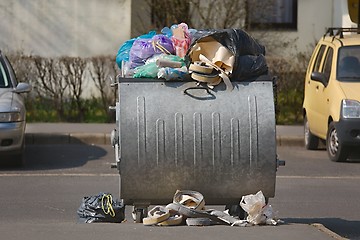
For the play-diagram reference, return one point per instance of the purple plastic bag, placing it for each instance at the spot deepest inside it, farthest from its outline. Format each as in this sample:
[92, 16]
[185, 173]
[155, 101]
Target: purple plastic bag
[142, 49]
[163, 44]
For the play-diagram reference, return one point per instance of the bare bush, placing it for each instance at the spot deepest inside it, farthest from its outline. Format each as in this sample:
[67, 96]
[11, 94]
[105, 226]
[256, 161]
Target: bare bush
[49, 87]
[59, 83]
[72, 72]
[102, 71]
[290, 75]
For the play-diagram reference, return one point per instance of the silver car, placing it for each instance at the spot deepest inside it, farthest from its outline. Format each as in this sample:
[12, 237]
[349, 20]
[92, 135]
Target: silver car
[12, 114]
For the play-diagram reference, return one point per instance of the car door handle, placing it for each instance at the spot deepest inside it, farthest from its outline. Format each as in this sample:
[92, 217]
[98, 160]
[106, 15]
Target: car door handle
[317, 87]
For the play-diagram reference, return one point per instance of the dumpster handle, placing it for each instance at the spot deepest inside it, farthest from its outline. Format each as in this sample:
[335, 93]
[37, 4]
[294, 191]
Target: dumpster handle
[210, 95]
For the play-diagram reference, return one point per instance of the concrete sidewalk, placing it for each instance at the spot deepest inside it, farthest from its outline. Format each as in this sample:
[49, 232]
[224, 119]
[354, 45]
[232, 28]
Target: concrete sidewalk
[98, 133]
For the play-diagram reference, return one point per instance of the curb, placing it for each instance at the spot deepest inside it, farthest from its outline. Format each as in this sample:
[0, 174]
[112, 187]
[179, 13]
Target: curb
[327, 231]
[104, 139]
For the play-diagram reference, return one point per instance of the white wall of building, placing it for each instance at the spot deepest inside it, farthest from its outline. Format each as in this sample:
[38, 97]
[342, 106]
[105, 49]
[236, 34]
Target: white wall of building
[52, 28]
[84, 28]
[314, 17]
[341, 14]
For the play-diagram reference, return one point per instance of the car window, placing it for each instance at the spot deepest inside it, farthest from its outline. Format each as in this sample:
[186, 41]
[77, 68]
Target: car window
[11, 72]
[348, 64]
[328, 63]
[318, 59]
[4, 80]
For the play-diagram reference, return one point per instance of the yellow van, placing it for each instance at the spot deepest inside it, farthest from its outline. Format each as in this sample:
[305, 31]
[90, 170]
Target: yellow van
[331, 105]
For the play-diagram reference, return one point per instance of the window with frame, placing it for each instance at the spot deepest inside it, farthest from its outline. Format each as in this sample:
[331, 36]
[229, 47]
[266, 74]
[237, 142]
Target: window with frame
[328, 63]
[319, 58]
[3, 77]
[348, 64]
[272, 14]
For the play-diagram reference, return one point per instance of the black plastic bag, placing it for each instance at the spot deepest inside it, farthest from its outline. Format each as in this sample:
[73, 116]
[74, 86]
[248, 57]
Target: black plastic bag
[237, 41]
[249, 54]
[101, 208]
[249, 66]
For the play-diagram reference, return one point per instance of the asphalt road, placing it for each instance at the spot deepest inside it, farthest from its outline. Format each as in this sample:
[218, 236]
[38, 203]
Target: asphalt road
[40, 200]
[311, 188]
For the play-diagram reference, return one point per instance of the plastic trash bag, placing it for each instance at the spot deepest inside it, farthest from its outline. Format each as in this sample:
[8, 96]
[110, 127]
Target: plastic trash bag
[250, 66]
[258, 211]
[236, 40]
[101, 208]
[124, 51]
[162, 62]
[162, 44]
[181, 39]
[169, 73]
[149, 70]
[145, 48]
[249, 55]
[167, 32]
[141, 50]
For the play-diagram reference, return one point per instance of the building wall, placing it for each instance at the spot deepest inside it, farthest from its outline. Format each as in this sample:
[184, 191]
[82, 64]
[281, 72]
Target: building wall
[52, 28]
[314, 17]
[86, 28]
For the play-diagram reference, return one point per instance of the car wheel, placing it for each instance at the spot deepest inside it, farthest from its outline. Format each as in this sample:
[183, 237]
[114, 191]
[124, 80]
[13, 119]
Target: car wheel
[310, 140]
[336, 151]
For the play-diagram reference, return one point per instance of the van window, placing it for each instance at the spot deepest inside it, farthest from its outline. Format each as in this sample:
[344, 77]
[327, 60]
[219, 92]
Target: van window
[328, 63]
[318, 59]
[348, 64]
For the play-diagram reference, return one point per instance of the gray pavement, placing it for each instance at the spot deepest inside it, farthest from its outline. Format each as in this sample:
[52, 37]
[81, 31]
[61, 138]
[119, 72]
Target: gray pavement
[89, 133]
[132, 231]
[99, 133]
[68, 133]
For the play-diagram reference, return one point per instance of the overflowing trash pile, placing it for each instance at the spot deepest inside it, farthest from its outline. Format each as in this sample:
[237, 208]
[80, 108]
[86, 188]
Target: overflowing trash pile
[180, 53]
[187, 208]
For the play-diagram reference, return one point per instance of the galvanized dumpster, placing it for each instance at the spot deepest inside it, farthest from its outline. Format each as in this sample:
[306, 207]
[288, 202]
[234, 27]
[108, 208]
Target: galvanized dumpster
[178, 135]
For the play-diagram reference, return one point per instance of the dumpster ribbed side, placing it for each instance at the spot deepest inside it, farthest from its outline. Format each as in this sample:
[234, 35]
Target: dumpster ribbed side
[179, 138]
[216, 137]
[224, 147]
[253, 138]
[141, 130]
[235, 141]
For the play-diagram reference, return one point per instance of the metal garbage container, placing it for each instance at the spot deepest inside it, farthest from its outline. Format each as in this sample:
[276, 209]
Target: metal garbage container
[177, 135]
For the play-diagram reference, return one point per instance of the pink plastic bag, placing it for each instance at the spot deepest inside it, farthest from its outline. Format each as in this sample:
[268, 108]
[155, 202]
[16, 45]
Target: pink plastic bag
[181, 39]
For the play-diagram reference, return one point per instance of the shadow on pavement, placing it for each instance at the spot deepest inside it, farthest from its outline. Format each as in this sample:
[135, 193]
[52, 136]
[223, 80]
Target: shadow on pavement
[342, 227]
[58, 156]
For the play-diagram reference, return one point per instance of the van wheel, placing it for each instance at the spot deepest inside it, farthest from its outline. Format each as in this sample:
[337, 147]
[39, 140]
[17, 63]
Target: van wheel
[336, 151]
[311, 141]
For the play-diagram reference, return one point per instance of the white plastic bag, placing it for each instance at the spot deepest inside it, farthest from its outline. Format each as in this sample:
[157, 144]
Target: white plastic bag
[253, 205]
[258, 211]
